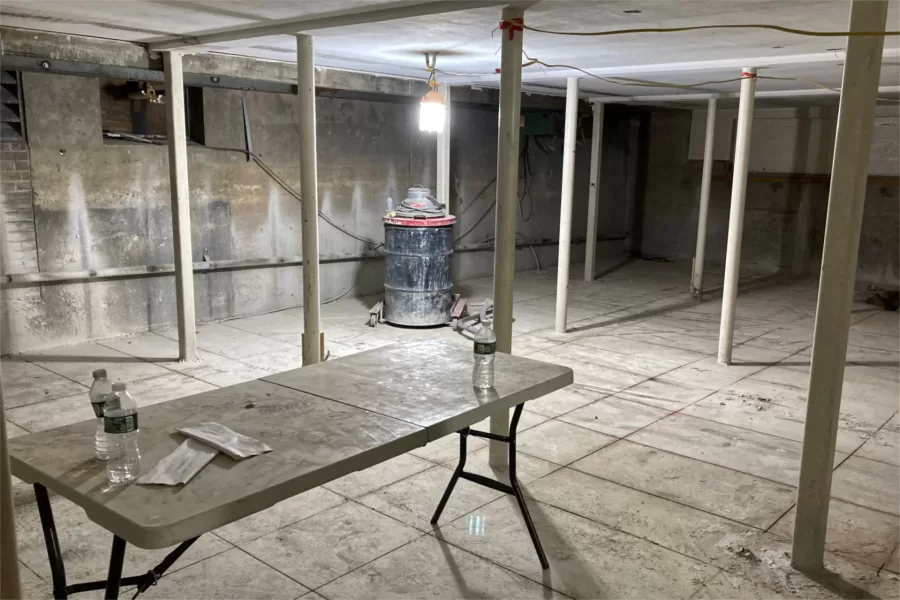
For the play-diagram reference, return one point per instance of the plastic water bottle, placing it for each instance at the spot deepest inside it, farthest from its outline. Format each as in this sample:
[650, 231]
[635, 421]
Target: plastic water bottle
[485, 346]
[99, 390]
[120, 422]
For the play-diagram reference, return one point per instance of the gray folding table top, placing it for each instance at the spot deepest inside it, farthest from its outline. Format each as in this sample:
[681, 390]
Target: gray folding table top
[323, 422]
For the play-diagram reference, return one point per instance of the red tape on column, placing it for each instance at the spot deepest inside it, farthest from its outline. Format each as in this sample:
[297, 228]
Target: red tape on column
[746, 75]
[512, 26]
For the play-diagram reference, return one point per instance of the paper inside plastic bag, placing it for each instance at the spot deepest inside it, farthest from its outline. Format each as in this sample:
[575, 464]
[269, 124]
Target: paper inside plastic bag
[181, 465]
[233, 444]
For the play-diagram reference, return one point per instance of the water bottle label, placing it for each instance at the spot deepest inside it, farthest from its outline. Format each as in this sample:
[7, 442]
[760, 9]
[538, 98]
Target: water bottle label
[98, 408]
[124, 424]
[485, 347]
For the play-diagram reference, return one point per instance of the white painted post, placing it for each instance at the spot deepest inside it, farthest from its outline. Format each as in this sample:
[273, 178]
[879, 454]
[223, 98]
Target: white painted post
[507, 207]
[309, 198]
[565, 209]
[179, 191]
[590, 250]
[443, 154]
[736, 219]
[849, 172]
[705, 183]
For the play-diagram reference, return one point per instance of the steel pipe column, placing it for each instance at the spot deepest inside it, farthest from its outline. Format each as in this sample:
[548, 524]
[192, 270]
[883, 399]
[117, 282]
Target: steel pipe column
[309, 205]
[507, 204]
[736, 219]
[443, 153]
[705, 183]
[846, 198]
[590, 250]
[179, 191]
[565, 209]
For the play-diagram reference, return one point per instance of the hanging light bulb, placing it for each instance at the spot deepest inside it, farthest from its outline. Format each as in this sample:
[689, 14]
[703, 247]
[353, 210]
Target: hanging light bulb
[432, 110]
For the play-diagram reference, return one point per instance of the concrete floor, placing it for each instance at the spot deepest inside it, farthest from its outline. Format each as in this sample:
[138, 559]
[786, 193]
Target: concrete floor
[659, 474]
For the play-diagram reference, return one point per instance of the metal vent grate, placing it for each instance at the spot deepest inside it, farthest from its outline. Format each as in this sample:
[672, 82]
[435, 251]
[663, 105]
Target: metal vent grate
[11, 120]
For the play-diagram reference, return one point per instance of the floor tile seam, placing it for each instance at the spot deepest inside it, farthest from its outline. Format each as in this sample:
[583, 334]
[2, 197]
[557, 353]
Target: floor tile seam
[579, 342]
[162, 362]
[660, 497]
[258, 335]
[620, 370]
[744, 428]
[781, 517]
[430, 466]
[175, 569]
[555, 345]
[403, 545]
[33, 572]
[420, 535]
[442, 540]
[622, 531]
[55, 374]
[707, 462]
[344, 500]
[277, 570]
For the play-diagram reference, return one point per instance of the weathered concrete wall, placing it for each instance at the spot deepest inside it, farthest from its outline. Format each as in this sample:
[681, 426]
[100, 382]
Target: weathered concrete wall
[784, 220]
[101, 203]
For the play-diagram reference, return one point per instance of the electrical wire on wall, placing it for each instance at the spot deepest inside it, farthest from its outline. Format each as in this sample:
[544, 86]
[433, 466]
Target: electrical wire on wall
[284, 185]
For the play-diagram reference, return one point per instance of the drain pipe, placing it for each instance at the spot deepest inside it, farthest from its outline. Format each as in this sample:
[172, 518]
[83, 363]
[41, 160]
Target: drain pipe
[565, 213]
[736, 220]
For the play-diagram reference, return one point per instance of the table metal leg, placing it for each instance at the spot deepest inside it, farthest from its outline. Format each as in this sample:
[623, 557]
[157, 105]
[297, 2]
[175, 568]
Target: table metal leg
[51, 540]
[463, 435]
[114, 579]
[114, 575]
[512, 489]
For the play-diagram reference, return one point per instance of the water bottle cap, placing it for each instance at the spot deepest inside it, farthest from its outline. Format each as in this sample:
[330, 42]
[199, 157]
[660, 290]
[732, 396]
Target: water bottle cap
[99, 373]
[118, 386]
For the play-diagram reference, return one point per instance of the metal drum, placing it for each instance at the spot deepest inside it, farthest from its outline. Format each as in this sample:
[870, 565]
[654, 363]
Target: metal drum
[417, 278]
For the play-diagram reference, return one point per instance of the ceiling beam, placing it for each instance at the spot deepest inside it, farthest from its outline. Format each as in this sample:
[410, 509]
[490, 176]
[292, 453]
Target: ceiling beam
[537, 72]
[340, 18]
[885, 89]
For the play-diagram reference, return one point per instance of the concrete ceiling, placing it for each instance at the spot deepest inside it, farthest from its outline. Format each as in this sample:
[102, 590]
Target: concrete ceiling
[468, 46]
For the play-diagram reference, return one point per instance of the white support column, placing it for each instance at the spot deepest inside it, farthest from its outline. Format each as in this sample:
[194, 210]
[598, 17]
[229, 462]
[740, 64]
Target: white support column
[565, 209]
[507, 207]
[309, 195]
[443, 154]
[179, 191]
[590, 256]
[736, 219]
[705, 183]
[846, 198]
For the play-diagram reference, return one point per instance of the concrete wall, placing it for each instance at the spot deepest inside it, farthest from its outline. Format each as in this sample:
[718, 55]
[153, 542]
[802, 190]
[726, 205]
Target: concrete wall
[785, 216]
[99, 203]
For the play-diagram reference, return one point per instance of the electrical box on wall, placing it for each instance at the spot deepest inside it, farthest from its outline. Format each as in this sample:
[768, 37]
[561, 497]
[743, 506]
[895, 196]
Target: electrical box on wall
[538, 122]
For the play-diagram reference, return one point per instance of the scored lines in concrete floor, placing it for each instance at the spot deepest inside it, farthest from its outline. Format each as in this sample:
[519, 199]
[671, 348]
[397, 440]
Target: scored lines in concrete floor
[653, 402]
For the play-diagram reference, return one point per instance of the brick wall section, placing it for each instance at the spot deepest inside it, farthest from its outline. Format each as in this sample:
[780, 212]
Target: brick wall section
[19, 249]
